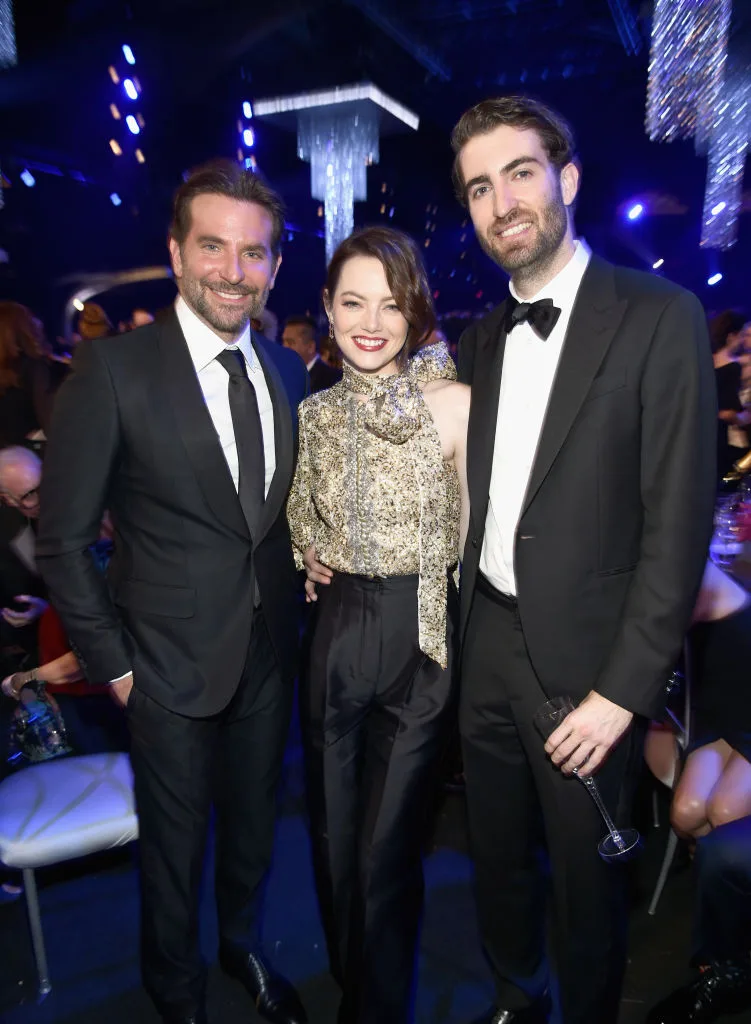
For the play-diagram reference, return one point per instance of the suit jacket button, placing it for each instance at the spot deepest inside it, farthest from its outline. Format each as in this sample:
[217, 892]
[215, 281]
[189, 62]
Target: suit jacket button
[474, 542]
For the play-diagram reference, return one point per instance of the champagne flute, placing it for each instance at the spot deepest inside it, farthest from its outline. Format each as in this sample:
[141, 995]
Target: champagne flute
[618, 844]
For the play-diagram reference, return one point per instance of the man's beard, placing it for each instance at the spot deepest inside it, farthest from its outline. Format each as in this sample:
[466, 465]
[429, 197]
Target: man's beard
[226, 319]
[549, 228]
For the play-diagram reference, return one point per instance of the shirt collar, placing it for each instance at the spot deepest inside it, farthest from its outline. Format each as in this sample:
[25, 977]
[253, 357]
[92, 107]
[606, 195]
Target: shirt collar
[204, 346]
[313, 362]
[564, 286]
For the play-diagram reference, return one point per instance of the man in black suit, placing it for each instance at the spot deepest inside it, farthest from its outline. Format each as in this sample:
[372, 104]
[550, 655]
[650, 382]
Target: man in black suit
[590, 468]
[185, 431]
[299, 334]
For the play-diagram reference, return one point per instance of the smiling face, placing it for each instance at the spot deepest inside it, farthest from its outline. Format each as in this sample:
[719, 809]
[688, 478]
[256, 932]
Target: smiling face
[519, 201]
[225, 267]
[368, 327]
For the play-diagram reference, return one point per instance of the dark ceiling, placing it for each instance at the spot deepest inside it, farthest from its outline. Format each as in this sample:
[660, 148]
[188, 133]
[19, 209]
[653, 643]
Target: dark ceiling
[197, 60]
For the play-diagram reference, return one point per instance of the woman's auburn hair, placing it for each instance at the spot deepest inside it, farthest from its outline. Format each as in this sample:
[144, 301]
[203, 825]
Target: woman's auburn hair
[405, 273]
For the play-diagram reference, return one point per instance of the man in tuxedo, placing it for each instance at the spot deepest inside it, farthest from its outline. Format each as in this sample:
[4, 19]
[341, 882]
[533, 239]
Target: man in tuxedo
[590, 467]
[300, 335]
[185, 431]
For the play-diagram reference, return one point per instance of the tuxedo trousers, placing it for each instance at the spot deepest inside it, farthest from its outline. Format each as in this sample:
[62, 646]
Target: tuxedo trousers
[376, 715]
[182, 768]
[533, 829]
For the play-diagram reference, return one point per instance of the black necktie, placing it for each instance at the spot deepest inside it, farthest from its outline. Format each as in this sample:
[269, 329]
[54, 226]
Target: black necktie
[542, 315]
[246, 421]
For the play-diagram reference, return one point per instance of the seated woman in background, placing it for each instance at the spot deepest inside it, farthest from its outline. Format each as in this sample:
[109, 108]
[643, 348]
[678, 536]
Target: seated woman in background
[715, 785]
[725, 331]
[25, 388]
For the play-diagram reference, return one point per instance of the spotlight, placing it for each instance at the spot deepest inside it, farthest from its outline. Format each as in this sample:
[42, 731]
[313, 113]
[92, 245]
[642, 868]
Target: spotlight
[134, 126]
[657, 264]
[247, 110]
[115, 112]
[635, 211]
[115, 199]
[28, 178]
[714, 279]
[718, 209]
[78, 305]
[128, 54]
[248, 163]
[140, 157]
[248, 138]
[130, 89]
[113, 74]
[115, 147]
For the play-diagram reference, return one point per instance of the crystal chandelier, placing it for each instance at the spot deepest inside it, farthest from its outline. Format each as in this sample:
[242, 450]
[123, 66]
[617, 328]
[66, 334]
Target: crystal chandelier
[692, 93]
[338, 132]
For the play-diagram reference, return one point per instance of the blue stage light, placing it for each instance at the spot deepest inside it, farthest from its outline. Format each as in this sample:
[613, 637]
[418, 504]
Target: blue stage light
[249, 138]
[657, 264]
[718, 208]
[247, 110]
[128, 54]
[130, 89]
[28, 178]
[133, 124]
[635, 211]
[115, 199]
[714, 279]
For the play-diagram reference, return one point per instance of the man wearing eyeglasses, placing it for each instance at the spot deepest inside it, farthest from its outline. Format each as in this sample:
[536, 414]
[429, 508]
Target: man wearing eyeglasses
[20, 476]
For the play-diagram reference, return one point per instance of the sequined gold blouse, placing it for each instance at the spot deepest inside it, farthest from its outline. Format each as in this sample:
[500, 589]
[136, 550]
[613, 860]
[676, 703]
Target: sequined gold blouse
[372, 490]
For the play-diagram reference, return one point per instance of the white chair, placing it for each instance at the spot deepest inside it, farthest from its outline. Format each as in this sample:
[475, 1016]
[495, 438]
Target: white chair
[683, 737]
[60, 810]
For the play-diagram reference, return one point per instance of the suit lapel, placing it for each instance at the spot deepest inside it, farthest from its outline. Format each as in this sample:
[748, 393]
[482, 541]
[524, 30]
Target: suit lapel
[283, 437]
[197, 428]
[596, 316]
[483, 416]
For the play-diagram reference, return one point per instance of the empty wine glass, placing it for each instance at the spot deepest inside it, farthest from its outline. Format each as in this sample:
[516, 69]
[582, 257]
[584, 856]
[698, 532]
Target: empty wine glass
[618, 844]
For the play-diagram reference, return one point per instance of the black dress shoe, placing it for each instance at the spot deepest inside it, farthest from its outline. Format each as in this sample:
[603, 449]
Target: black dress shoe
[275, 998]
[718, 988]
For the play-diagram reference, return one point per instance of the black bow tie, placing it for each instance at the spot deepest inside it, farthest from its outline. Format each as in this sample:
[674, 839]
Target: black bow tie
[542, 315]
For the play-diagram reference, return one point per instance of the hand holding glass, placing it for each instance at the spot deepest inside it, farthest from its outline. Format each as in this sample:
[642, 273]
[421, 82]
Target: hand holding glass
[618, 844]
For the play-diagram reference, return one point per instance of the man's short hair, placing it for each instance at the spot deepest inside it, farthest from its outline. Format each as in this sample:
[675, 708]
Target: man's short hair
[226, 178]
[305, 321]
[522, 112]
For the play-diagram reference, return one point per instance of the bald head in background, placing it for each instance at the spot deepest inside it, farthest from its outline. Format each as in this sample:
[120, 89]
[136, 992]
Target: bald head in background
[20, 476]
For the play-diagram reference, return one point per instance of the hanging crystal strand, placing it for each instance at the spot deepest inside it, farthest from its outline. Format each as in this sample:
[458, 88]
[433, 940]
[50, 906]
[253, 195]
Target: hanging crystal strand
[8, 54]
[340, 146]
[728, 147]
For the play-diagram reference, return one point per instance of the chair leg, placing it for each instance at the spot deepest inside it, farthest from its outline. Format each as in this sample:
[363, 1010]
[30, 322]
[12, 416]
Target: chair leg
[664, 870]
[655, 808]
[37, 938]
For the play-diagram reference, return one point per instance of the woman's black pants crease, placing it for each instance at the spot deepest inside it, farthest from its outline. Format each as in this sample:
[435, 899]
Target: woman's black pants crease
[376, 714]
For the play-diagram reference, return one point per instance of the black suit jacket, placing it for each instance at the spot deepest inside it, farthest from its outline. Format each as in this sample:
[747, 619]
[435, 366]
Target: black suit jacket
[131, 433]
[616, 522]
[323, 376]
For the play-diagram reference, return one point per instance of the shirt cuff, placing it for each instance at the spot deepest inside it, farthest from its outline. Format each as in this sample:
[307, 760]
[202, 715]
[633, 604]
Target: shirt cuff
[119, 678]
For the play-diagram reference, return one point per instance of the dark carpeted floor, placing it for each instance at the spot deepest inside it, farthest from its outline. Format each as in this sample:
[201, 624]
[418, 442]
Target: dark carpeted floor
[90, 914]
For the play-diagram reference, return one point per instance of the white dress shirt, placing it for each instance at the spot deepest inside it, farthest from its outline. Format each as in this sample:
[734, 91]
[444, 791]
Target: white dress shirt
[529, 368]
[204, 346]
[312, 362]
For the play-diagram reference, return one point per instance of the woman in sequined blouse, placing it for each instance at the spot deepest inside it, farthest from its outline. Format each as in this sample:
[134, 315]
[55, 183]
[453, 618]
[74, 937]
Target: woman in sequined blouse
[379, 498]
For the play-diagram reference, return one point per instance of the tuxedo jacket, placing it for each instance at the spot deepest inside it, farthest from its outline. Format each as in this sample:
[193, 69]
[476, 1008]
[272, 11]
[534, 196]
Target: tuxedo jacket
[323, 376]
[616, 521]
[131, 433]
